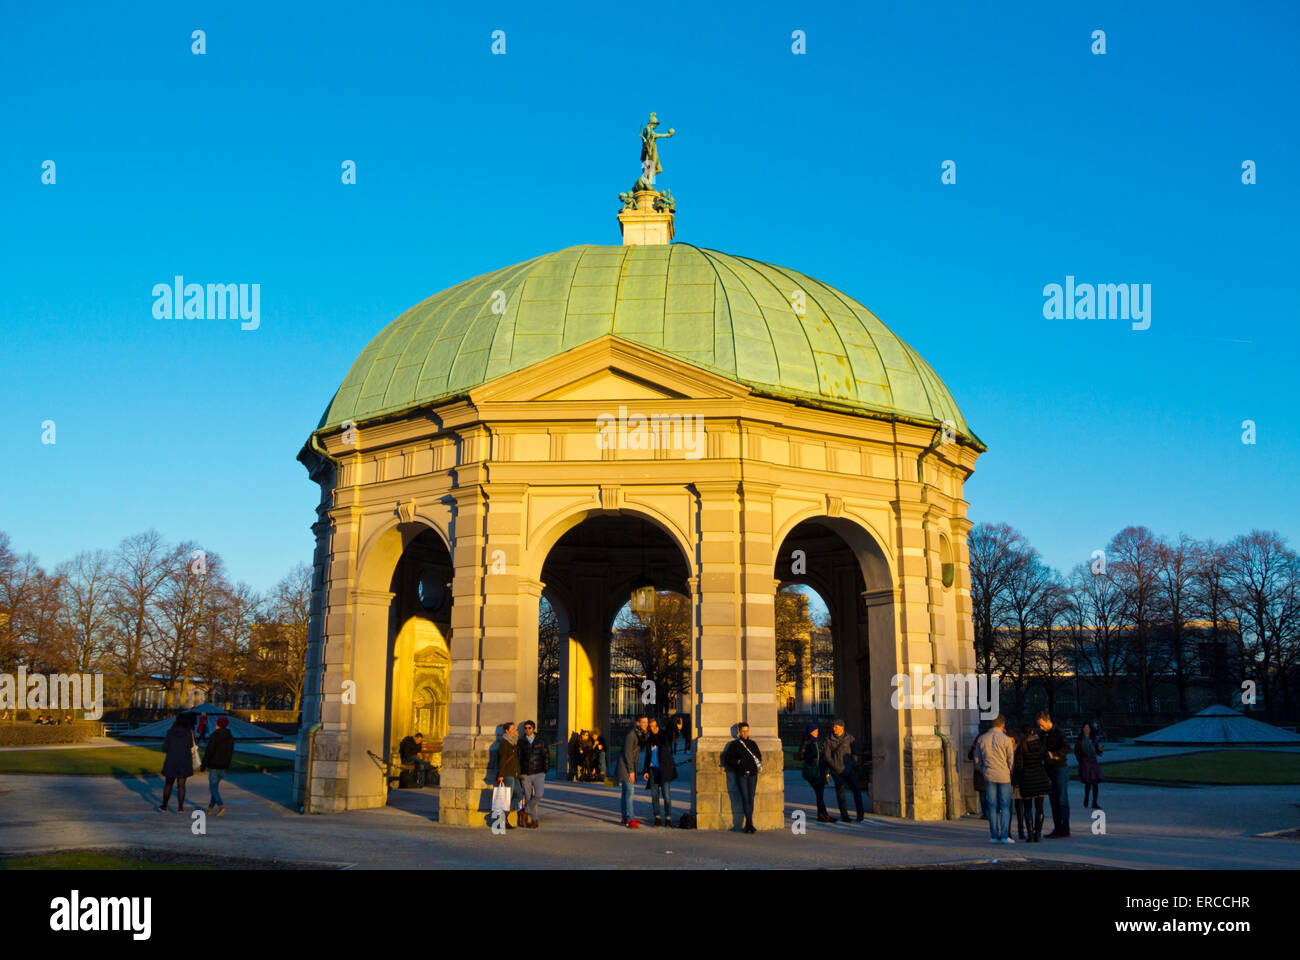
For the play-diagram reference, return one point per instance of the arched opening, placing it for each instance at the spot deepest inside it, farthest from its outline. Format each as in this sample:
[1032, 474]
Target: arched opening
[615, 598]
[419, 657]
[829, 564]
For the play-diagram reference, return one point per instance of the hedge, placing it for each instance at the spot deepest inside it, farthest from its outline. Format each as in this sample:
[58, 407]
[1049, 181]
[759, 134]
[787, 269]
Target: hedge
[23, 734]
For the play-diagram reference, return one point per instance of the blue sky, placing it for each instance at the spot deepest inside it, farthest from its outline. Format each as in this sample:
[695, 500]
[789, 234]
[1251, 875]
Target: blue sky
[226, 168]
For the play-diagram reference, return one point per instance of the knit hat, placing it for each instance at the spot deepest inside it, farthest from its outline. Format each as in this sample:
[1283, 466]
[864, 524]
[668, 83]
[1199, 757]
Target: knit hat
[223, 721]
[809, 728]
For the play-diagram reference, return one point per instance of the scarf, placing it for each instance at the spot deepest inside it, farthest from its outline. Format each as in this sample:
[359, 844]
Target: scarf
[511, 738]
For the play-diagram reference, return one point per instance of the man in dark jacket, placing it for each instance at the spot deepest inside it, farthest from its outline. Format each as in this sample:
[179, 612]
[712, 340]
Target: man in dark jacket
[625, 769]
[743, 758]
[660, 771]
[534, 761]
[1058, 771]
[839, 753]
[409, 750]
[216, 760]
[508, 770]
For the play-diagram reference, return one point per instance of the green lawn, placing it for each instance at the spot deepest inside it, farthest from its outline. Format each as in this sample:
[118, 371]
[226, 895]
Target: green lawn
[91, 860]
[117, 761]
[1216, 767]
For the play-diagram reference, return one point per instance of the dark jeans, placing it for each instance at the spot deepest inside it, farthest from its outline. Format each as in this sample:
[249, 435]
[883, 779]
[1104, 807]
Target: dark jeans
[421, 766]
[747, 783]
[849, 776]
[819, 788]
[1060, 777]
[658, 786]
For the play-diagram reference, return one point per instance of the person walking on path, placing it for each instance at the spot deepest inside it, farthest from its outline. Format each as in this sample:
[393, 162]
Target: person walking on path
[743, 758]
[217, 756]
[995, 755]
[508, 772]
[1058, 771]
[1087, 750]
[839, 754]
[1035, 784]
[534, 761]
[813, 768]
[625, 769]
[660, 771]
[178, 760]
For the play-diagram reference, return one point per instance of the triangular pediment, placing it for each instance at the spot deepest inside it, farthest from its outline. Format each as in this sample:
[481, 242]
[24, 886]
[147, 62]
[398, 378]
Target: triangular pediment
[605, 370]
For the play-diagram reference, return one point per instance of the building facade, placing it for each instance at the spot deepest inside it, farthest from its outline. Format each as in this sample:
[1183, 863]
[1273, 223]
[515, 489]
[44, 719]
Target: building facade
[606, 417]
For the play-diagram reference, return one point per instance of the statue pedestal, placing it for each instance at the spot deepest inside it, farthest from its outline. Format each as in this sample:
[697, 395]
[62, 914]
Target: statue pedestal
[645, 224]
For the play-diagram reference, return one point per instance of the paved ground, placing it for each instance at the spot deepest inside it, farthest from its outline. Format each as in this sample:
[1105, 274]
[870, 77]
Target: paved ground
[1147, 827]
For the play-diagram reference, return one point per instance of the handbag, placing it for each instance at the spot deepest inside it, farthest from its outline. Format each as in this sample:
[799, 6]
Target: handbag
[195, 761]
[501, 799]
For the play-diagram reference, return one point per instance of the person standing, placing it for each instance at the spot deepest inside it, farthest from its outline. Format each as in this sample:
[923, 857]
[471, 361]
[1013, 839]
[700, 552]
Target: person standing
[508, 771]
[679, 732]
[660, 771]
[534, 761]
[839, 754]
[995, 755]
[1087, 751]
[1058, 772]
[217, 757]
[743, 758]
[178, 760]
[626, 768]
[813, 768]
[978, 781]
[202, 732]
[1034, 781]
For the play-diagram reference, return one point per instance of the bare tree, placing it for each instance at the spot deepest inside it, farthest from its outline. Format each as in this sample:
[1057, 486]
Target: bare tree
[1134, 563]
[1266, 597]
[658, 642]
[1096, 623]
[86, 605]
[140, 566]
[1176, 565]
[995, 551]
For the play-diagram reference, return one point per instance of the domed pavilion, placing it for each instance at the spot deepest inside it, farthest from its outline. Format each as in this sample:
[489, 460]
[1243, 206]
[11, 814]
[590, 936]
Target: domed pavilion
[602, 419]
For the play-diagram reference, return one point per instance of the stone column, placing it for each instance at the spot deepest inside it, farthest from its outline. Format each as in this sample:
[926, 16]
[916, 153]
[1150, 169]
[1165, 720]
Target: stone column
[493, 646]
[923, 760]
[734, 656]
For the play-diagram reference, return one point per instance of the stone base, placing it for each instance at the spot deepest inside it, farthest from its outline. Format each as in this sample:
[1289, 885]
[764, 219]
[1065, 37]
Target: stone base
[923, 778]
[464, 790]
[717, 801]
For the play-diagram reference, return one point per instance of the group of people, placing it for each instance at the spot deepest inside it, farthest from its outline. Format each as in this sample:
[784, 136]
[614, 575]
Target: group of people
[588, 756]
[1017, 770]
[46, 719]
[834, 757]
[180, 748]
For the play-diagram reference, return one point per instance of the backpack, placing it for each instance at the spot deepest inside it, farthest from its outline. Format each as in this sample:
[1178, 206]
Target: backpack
[687, 821]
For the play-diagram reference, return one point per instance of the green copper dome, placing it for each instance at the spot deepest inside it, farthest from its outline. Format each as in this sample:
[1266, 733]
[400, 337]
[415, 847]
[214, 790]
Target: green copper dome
[722, 313]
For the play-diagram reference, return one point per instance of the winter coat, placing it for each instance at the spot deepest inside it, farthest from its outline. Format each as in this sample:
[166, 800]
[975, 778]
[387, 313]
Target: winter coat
[742, 756]
[810, 758]
[627, 763]
[220, 750]
[177, 762]
[533, 757]
[1085, 751]
[507, 759]
[995, 755]
[1030, 754]
[667, 765]
[837, 752]
[1055, 742]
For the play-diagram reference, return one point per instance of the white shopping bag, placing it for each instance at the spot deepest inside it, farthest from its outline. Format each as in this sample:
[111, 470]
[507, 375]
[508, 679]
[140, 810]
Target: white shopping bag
[501, 798]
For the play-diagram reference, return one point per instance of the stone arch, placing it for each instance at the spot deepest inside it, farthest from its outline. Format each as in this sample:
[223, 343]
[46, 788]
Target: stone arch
[862, 598]
[541, 542]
